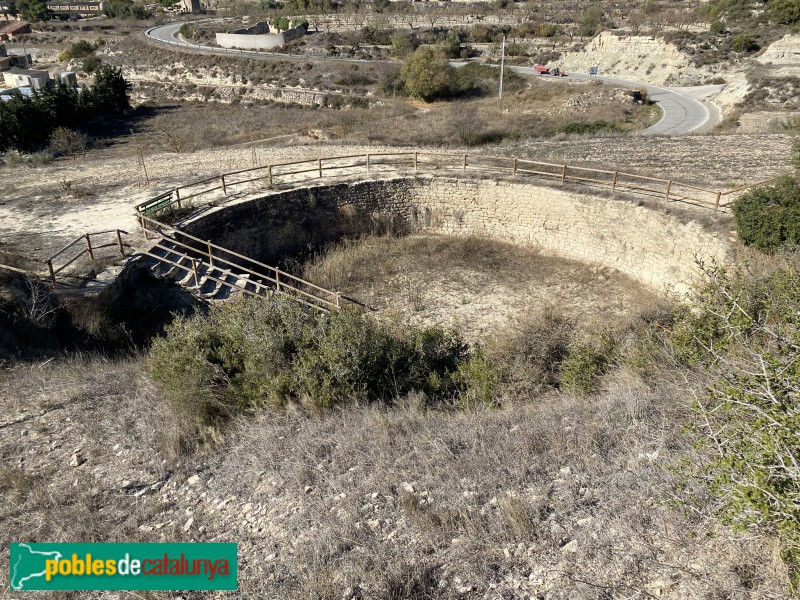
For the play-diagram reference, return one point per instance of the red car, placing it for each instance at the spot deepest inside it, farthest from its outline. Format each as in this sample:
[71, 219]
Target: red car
[555, 71]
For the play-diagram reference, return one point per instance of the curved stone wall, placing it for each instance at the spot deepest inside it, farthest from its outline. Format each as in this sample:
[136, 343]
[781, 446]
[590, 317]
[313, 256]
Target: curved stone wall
[649, 245]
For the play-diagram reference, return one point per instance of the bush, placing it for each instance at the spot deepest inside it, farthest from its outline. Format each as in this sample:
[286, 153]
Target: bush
[480, 379]
[273, 352]
[748, 420]
[403, 43]
[586, 363]
[126, 9]
[744, 42]
[90, 64]
[68, 142]
[785, 12]
[485, 79]
[188, 32]
[591, 128]
[769, 217]
[718, 27]
[79, 49]
[529, 357]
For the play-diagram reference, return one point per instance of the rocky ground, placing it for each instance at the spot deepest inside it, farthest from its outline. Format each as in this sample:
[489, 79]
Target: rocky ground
[557, 498]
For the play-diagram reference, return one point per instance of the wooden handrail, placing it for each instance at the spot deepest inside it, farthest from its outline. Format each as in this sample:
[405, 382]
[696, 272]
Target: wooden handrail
[86, 238]
[745, 187]
[512, 165]
[278, 274]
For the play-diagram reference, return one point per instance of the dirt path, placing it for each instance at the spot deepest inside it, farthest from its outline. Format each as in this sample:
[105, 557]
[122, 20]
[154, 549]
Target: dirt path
[45, 206]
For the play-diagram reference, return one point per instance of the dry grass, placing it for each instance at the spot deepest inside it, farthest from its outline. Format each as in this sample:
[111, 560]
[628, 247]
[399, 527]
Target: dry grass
[104, 413]
[478, 284]
[557, 496]
[541, 110]
[551, 496]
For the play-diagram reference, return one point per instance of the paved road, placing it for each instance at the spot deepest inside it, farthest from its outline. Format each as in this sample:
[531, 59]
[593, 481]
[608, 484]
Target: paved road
[681, 113]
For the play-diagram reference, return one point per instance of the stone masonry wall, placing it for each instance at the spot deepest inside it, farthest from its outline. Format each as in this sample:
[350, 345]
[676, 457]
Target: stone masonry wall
[647, 244]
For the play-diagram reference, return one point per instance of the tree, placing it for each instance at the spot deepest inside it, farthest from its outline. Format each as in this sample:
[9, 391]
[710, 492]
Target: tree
[23, 125]
[451, 46]
[590, 21]
[402, 43]
[33, 10]
[125, 9]
[109, 93]
[11, 9]
[428, 75]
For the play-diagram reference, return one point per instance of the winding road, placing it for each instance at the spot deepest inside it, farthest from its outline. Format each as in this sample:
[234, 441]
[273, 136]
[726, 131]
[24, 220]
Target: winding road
[682, 113]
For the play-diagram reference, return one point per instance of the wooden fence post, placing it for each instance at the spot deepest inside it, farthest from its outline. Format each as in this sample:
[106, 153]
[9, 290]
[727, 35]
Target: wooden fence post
[224, 190]
[89, 246]
[563, 174]
[465, 163]
[514, 174]
[368, 165]
[52, 272]
[614, 183]
[210, 258]
[415, 162]
[178, 196]
[338, 300]
[119, 241]
[666, 194]
[143, 226]
[277, 280]
[319, 164]
[270, 175]
[716, 204]
[194, 270]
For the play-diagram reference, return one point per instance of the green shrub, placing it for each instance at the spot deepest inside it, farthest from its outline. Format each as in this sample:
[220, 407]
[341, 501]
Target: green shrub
[479, 379]
[126, 9]
[281, 23]
[785, 12]
[79, 49]
[403, 43]
[188, 31]
[591, 128]
[90, 64]
[744, 42]
[769, 217]
[718, 27]
[748, 420]
[451, 46]
[261, 353]
[586, 363]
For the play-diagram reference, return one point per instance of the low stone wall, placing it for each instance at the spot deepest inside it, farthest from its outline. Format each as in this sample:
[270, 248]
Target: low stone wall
[649, 245]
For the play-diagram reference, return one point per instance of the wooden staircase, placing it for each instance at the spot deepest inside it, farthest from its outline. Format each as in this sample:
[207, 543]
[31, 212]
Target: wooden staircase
[216, 274]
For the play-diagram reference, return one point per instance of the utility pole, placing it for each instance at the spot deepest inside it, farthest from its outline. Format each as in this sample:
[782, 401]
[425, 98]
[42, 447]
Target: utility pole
[502, 65]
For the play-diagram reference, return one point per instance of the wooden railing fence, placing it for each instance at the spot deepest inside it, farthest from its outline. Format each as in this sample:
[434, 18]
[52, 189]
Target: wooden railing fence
[669, 190]
[87, 246]
[263, 277]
